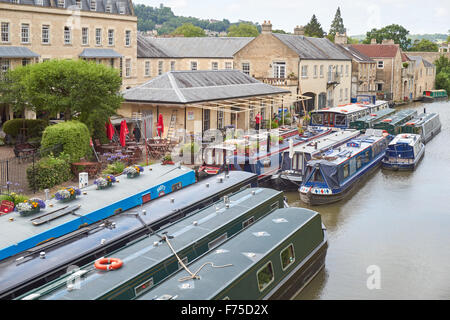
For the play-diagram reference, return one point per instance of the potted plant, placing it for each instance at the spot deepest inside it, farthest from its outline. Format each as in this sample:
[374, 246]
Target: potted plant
[67, 194]
[29, 207]
[167, 159]
[133, 171]
[105, 182]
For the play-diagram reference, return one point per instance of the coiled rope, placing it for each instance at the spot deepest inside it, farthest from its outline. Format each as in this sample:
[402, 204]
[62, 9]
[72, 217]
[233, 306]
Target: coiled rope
[192, 275]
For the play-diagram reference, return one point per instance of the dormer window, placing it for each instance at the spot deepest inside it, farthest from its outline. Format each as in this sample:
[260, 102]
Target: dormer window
[40, 2]
[60, 3]
[78, 3]
[121, 8]
[93, 5]
[14, 1]
[108, 7]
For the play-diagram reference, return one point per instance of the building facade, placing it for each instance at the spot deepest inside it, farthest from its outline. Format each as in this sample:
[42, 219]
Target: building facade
[313, 67]
[424, 75]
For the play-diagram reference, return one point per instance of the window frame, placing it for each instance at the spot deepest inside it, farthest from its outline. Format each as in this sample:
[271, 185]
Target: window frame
[281, 260]
[27, 29]
[5, 31]
[84, 36]
[127, 38]
[261, 289]
[111, 43]
[380, 64]
[147, 66]
[67, 40]
[246, 68]
[45, 27]
[127, 68]
[192, 64]
[98, 37]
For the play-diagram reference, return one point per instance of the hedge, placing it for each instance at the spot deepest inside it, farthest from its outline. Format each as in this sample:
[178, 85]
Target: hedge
[72, 135]
[48, 172]
[34, 127]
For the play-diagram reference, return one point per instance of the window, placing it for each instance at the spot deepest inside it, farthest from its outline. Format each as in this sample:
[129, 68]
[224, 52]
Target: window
[5, 31]
[14, 1]
[304, 71]
[193, 65]
[121, 8]
[108, 7]
[246, 68]
[358, 162]
[279, 70]
[26, 61]
[346, 69]
[228, 65]
[220, 114]
[127, 38]
[287, 257]
[98, 36]
[321, 71]
[214, 66]
[177, 186]
[67, 35]
[206, 119]
[265, 276]
[379, 86]
[85, 36]
[45, 34]
[40, 2]
[345, 170]
[172, 65]
[110, 37]
[248, 222]
[25, 33]
[78, 3]
[60, 3]
[143, 287]
[127, 67]
[147, 68]
[160, 67]
[217, 241]
[380, 64]
[315, 71]
[5, 65]
[93, 5]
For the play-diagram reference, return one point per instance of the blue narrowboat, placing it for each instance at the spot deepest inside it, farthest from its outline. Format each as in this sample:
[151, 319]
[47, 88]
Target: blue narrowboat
[332, 178]
[404, 152]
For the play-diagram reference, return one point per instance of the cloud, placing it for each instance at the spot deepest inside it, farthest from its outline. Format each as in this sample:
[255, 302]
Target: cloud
[440, 12]
[374, 16]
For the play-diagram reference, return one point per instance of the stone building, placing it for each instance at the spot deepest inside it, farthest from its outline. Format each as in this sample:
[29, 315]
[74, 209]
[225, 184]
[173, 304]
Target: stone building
[313, 67]
[157, 56]
[424, 75]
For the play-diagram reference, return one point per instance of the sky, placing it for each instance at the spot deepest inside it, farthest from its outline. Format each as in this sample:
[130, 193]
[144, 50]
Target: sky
[360, 16]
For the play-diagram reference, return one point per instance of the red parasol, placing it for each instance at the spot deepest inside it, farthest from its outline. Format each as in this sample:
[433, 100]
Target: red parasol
[160, 125]
[123, 132]
[109, 130]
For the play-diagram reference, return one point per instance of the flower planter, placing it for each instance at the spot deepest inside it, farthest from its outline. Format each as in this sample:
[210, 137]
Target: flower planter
[72, 197]
[168, 162]
[132, 175]
[108, 185]
[30, 212]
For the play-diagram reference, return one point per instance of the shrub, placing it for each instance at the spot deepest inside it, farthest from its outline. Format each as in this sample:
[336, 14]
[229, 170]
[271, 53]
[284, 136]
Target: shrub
[34, 127]
[274, 124]
[114, 168]
[190, 148]
[49, 172]
[14, 197]
[72, 135]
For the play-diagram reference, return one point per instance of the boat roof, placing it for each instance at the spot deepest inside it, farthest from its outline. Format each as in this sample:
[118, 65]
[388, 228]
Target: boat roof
[143, 255]
[240, 253]
[351, 107]
[376, 115]
[327, 141]
[397, 117]
[405, 138]
[22, 228]
[420, 119]
[353, 146]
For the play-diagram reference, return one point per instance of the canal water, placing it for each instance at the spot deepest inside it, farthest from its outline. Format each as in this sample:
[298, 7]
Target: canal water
[391, 239]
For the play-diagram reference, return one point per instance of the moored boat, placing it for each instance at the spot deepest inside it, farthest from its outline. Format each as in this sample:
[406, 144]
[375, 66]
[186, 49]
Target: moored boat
[427, 125]
[434, 95]
[369, 121]
[393, 124]
[334, 177]
[404, 152]
[275, 258]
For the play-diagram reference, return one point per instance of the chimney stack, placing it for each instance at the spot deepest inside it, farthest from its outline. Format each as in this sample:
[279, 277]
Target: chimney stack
[387, 41]
[299, 30]
[373, 41]
[266, 27]
[340, 38]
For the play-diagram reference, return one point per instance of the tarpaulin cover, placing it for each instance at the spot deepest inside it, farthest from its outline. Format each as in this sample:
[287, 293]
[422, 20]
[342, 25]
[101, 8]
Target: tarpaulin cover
[329, 172]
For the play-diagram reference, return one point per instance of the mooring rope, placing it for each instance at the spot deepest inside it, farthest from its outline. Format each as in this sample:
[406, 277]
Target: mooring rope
[192, 275]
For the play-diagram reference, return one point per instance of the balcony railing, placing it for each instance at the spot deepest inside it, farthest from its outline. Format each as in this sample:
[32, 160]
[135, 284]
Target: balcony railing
[284, 82]
[333, 77]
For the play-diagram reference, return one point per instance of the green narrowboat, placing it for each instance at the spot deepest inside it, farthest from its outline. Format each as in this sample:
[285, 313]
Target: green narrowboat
[275, 258]
[150, 260]
[433, 95]
[369, 121]
[393, 124]
[427, 125]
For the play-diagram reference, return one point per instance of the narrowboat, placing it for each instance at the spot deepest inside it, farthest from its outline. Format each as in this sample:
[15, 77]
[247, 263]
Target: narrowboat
[275, 259]
[342, 116]
[369, 121]
[427, 125]
[59, 218]
[23, 272]
[294, 163]
[434, 95]
[148, 261]
[404, 152]
[259, 154]
[393, 124]
[335, 176]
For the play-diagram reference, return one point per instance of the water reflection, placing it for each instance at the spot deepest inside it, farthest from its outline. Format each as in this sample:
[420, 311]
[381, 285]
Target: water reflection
[397, 221]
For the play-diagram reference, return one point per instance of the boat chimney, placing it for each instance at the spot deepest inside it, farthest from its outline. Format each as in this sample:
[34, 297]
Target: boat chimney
[42, 255]
[207, 185]
[424, 110]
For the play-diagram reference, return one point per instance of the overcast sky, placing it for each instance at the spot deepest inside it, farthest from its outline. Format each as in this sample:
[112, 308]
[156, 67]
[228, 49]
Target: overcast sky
[417, 16]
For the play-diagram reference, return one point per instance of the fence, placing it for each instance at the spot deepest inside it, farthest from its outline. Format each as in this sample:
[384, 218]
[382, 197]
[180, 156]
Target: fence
[13, 171]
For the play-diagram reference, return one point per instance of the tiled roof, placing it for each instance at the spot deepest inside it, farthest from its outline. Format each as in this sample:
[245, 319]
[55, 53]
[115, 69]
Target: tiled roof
[377, 50]
[195, 47]
[418, 59]
[85, 5]
[183, 87]
[16, 52]
[405, 57]
[354, 54]
[312, 48]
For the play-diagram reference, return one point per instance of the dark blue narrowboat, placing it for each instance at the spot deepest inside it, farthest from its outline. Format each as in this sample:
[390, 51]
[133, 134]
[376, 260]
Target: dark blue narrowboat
[404, 152]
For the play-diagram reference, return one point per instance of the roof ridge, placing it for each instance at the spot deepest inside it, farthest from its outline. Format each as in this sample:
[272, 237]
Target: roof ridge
[175, 87]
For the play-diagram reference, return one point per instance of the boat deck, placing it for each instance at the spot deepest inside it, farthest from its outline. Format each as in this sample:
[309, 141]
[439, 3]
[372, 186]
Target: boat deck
[326, 141]
[21, 234]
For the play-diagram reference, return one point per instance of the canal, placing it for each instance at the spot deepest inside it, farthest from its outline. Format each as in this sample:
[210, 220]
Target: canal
[391, 239]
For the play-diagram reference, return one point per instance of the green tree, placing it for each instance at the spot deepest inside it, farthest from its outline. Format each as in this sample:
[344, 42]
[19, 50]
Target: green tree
[394, 31]
[442, 63]
[279, 31]
[189, 30]
[314, 29]
[243, 30]
[337, 26]
[443, 79]
[352, 40]
[424, 45]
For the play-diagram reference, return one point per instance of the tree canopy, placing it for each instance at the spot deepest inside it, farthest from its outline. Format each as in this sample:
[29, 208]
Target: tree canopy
[82, 90]
[443, 73]
[189, 30]
[337, 26]
[394, 31]
[243, 30]
[314, 29]
[424, 45]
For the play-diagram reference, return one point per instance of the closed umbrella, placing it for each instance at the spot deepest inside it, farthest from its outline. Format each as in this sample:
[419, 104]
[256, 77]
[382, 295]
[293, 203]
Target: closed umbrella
[123, 132]
[109, 130]
[160, 125]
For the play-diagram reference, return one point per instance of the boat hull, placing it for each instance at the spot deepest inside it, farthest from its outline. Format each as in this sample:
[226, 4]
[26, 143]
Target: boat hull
[287, 182]
[403, 166]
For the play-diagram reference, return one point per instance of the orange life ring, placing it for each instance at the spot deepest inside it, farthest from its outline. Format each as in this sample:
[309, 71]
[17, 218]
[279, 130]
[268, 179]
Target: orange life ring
[108, 264]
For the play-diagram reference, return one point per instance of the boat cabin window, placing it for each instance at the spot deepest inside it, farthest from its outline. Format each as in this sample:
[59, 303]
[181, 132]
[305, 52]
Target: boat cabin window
[345, 170]
[287, 257]
[176, 186]
[274, 206]
[317, 176]
[366, 157]
[265, 276]
[248, 222]
[317, 119]
[358, 162]
[217, 241]
[143, 287]
[340, 120]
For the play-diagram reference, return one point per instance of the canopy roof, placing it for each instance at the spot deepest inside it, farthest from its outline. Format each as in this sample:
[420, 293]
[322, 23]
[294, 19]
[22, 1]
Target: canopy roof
[16, 52]
[90, 53]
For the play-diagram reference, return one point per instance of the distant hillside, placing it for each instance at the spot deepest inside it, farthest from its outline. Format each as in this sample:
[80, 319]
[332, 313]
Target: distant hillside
[165, 21]
[435, 37]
